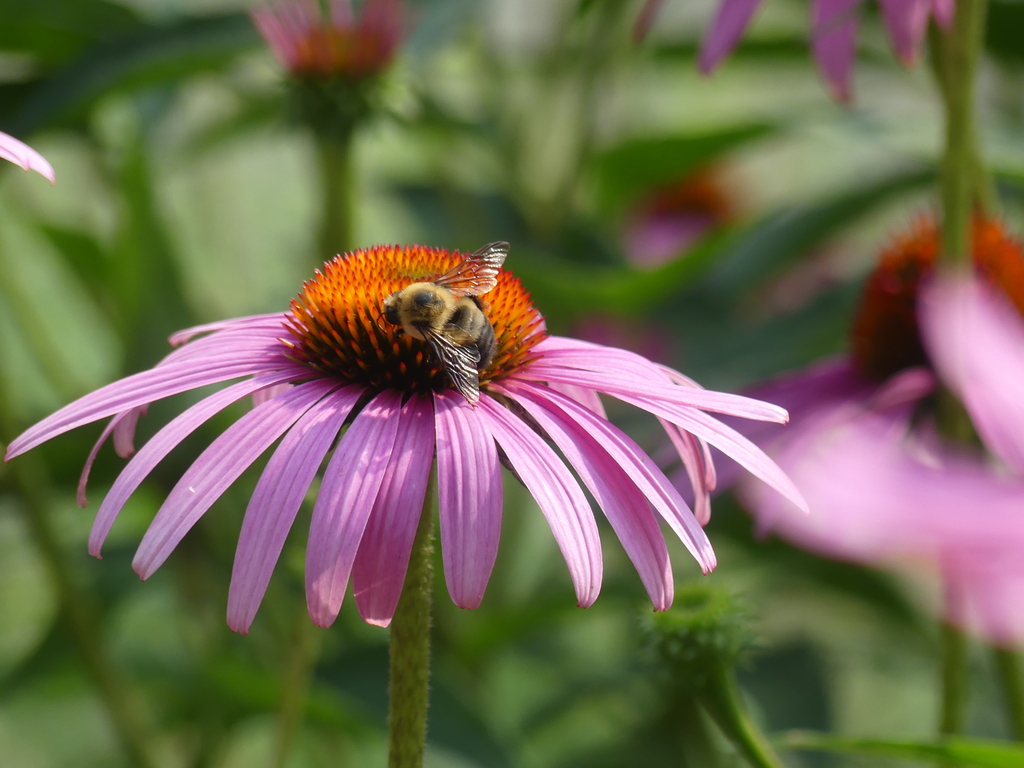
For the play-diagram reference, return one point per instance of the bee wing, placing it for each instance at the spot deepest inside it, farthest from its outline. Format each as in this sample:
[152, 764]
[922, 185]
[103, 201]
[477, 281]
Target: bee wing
[477, 273]
[459, 362]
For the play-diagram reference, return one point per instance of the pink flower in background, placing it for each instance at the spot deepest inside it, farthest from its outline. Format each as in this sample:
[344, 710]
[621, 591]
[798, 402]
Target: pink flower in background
[310, 43]
[863, 447]
[402, 416]
[833, 33]
[674, 218]
[22, 154]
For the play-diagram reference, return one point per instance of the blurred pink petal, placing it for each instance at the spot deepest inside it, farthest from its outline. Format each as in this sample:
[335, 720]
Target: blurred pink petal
[671, 219]
[834, 43]
[311, 43]
[906, 22]
[657, 240]
[23, 155]
[730, 22]
[645, 19]
[975, 339]
[944, 11]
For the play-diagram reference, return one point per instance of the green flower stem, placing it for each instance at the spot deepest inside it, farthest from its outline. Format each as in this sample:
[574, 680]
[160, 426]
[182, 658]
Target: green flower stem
[955, 57]
[722, 699]
[692, 731]
[954, 680]
[28, 475]
[1008, 664]
[335, 158]
[410, 649]
[305, 648]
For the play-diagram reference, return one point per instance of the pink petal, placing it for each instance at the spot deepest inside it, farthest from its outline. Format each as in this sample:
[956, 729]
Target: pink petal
[347, 495]
[218, 467]
[144, 388]
[637, 465]
[383, 557]
[162, 443]
[725, 32]
[975, 340]
[645, 20]
[623, 503]
[83, 479]
[834, 43]
[944, 11]
[261, 396]
[124, 431]
[588, 398]
[22, 154]
[469, 497]
[274, 320]
[727, 440]
[630, 368]
[557, 494]
[622, 382]
[906, 22]
[653, 240]
[692, 453]
[276, 501]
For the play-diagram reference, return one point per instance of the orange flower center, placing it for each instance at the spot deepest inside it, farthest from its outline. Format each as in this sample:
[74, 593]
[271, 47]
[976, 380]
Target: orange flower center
[885, 337]
[330, 51]
[338, 323]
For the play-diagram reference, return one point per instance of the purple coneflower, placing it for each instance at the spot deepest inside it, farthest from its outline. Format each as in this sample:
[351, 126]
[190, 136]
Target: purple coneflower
[673, 218]
[397, 414]
[865, 449]
[310, 43]
[22, 154]
[833, 32]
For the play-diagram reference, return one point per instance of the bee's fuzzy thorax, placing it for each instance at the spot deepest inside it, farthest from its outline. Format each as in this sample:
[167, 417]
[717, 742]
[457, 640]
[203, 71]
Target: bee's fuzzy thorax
[336, 321]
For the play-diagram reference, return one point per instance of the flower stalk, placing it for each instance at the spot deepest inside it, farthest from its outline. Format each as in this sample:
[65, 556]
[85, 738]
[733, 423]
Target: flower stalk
[1011, 678]
[334, 154]
[954, 680]
[964, 188]
[723, 700]
[955, 56]
[410, 649]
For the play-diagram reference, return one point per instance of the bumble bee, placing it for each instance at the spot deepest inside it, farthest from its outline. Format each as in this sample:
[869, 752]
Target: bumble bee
[447, 314]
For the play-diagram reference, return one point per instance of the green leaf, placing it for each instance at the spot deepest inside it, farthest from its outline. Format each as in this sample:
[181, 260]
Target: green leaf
[980, 753]
[146, 57]
[636, 165]
[787, 235]
[362, 675]
[54, 31]
[84, 254]
[580, 289]
[257, 112]
[1004, 29]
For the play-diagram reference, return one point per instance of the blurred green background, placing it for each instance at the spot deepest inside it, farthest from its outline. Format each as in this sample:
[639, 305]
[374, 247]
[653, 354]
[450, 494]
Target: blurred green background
[186, 195]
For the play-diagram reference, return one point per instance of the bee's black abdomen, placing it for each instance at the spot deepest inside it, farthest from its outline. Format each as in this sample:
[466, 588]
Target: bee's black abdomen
[486, 345]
